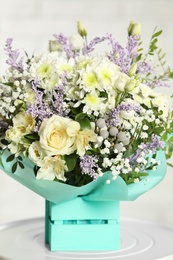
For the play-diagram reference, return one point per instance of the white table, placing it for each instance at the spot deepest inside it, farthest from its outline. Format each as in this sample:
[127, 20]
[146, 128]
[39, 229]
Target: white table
[24, 240]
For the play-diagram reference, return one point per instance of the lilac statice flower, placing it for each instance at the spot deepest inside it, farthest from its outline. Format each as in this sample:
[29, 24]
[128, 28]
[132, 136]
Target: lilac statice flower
[144, 68]
[113, 119]
[65, 45]
[147, 148]
[123, 57]
[13, 56]
[91, 46]
[157, 83]
[40, 109]
[88, 165]
[58, 96]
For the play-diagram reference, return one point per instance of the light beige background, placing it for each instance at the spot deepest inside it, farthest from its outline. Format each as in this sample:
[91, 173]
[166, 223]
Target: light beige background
[32, 23]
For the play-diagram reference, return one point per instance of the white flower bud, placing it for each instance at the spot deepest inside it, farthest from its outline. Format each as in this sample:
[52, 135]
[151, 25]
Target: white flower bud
[54, 46]
[81, 29]
[134, 29]
[77, 41]
[130, 85]
[133, 69]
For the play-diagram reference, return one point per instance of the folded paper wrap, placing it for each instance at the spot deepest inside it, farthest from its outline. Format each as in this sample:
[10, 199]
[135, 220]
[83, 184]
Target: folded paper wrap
[99, 190]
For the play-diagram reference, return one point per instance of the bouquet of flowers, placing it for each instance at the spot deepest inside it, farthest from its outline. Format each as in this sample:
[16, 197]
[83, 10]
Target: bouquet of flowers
[80, 116]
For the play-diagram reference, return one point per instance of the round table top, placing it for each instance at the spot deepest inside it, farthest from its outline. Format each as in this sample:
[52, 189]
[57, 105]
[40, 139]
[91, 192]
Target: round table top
[139, 240]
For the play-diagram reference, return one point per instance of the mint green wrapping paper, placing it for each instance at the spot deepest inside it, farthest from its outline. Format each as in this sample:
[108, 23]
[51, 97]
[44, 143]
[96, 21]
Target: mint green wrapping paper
[57, 192]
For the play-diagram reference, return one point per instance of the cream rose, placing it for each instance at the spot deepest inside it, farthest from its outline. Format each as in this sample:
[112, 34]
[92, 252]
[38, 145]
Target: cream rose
[54, 138]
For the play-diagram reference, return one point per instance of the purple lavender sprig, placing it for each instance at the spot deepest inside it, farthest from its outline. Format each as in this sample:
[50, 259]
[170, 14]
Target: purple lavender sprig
[13, 56]
[113, 119]
[66, 45]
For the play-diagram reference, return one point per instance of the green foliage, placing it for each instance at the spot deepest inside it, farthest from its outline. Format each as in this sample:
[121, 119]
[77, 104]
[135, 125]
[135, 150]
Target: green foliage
[71, 161]
[17, 162]
[153, 42]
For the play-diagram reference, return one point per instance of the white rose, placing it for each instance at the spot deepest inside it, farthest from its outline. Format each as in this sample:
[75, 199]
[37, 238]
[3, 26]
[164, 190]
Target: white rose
[77, 41]
[54, 138]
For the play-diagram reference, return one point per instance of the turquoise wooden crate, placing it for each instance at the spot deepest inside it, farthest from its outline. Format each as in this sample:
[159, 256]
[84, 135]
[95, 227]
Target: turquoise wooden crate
[79, 225]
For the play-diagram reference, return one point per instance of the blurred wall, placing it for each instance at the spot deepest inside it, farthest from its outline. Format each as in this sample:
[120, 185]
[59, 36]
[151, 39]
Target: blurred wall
[31, 24]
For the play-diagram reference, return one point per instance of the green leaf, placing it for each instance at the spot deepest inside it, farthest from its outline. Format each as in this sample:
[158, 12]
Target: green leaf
[84, 123]
[157, 34]
[80, 116]
[10, 158]
[71, 161]
[4, 142]
[170, 164]
[170, 139]
[10, 84]
[1, 163]
[158, 130]
[35, 169]
[32, 137]
[21, 165]
[14, 167]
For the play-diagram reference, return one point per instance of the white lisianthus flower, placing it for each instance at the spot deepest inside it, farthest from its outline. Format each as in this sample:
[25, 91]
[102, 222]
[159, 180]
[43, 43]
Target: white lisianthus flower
[127, 114]
[77, 41]
[121, 82]
[36, 153]
[147, 102]
[145, 90]
[54, 138]
[160, 100]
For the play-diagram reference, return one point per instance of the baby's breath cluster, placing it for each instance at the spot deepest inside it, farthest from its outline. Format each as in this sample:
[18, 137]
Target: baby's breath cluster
[77, 114]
